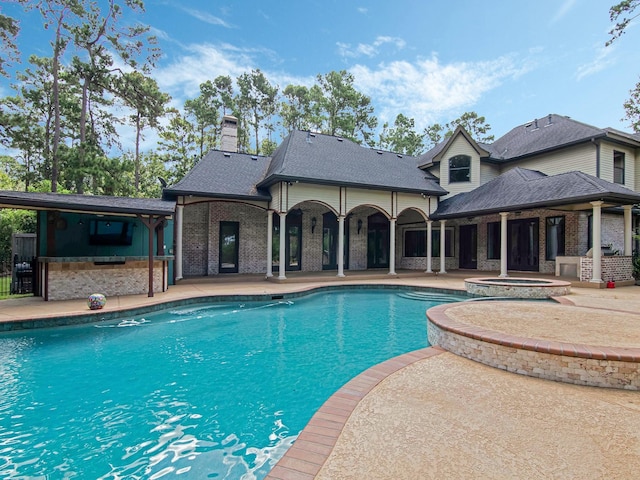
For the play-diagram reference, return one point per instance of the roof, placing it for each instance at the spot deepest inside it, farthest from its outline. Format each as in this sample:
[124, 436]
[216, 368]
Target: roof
[224, 175]
[537, 136]
[331, 160]
[435, 153]
[86, 203]
[520, 189]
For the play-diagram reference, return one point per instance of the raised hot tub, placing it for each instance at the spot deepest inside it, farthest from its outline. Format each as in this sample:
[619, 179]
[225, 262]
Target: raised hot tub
[516, 287]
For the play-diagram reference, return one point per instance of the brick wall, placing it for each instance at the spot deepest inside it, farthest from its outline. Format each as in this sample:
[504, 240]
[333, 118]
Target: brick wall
[615, 267]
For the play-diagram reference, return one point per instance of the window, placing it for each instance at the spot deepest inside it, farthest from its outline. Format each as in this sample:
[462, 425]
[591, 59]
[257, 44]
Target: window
[460, 169]
[618, 167]
[493, 241]
[435, 242]
[554, 237]
[415, 243]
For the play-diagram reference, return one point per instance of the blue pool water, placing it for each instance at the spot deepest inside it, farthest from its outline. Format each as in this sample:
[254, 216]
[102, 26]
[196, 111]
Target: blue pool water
[208, 391]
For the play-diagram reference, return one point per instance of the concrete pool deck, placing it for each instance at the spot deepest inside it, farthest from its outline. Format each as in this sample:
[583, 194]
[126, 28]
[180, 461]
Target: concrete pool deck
[432, 414]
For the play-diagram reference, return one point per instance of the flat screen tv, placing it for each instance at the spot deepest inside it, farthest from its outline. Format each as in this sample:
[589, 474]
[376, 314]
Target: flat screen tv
[110, 232]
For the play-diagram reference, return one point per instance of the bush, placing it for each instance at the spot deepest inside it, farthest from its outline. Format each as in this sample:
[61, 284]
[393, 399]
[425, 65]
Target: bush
[14, 221]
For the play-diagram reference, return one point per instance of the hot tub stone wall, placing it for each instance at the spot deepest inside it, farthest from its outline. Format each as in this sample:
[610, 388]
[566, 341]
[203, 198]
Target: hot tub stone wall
[517, 290]
[562, 368]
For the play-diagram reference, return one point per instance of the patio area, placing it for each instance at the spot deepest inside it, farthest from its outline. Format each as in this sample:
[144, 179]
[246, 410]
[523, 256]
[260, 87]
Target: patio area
[433, 414]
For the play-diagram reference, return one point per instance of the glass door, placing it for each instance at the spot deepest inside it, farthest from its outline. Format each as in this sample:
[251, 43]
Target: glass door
[469, 246]
[229, 236]
[523, 245]
[378, 241]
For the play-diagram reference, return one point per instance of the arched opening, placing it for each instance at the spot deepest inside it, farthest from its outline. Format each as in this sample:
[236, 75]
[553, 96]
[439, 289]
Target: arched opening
[330, 242]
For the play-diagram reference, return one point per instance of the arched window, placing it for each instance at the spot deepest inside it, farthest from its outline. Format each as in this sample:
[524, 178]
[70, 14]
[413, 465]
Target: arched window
[460, 169]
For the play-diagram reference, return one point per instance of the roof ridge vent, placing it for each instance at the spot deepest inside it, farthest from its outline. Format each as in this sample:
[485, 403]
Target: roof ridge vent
[398, 155]
[380, 152]
[340, 139]
[254, 157]
[549, 121]
[227, 154]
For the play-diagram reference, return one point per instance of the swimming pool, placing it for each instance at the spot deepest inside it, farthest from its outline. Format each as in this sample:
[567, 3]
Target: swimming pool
[206, 391]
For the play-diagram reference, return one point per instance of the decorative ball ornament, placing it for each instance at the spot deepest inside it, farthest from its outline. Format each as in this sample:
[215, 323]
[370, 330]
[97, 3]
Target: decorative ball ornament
[96, 301]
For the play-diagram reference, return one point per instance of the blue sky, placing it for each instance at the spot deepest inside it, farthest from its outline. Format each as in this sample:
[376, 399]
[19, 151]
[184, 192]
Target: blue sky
[511, 61]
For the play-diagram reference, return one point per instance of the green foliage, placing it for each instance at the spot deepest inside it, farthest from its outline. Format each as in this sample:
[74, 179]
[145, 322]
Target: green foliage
[256, 102]
[14, 221]
[402, 137]
[337, 108]
[636, 265]
[622, 13]
[632, 108]
[9, 29]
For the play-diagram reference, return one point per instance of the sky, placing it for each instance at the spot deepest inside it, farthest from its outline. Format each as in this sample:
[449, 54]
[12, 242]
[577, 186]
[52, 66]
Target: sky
[432, 60]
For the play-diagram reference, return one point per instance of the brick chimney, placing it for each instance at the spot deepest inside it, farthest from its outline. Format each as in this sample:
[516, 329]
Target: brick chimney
[229, 141]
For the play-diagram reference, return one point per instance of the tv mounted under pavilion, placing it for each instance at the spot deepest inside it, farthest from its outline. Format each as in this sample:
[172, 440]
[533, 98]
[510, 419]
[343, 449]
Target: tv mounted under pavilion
[110, 232]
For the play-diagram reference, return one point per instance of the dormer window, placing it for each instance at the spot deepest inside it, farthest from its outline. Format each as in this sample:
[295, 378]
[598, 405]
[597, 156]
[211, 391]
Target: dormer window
[460, 169]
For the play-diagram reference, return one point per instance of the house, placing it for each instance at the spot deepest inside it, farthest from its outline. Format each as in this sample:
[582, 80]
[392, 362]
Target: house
[546, 197]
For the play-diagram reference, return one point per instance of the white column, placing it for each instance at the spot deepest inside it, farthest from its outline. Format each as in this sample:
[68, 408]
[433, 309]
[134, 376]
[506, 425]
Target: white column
[429, 246]
[269, 243]
[503, 244]
[341, 245]
[443, 249]
[283, 249]
[392, 246]
[597, 242]
[178, 252]
[628, 231]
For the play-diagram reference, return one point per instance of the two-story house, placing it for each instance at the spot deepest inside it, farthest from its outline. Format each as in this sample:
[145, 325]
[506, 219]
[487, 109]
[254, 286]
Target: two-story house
[550, 188]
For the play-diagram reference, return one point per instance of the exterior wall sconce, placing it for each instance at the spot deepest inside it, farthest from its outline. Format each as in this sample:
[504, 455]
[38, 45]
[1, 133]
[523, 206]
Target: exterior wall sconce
[314, 221]
[359, 225]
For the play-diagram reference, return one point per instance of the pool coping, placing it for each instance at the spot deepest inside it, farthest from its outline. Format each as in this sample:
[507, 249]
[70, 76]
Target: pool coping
[99, 316]
[310, 451]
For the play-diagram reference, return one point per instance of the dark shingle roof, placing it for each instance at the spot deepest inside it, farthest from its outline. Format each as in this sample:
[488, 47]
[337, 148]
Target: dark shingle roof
[87, 203]
[326, 159]
[224, 175]
[550, 132]
[538, 136]
[520, 189]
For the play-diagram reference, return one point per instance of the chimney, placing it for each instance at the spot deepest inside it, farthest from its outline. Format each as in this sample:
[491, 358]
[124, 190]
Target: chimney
[229, 141]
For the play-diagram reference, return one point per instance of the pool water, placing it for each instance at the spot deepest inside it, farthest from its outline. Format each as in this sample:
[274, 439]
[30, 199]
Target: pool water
[208, 391]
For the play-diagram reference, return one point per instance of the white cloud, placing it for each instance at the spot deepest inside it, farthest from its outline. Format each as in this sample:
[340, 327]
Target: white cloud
[363, 10]
[601, 61]
[369, 49]
[202, 62]
[206, 17]
[427, 89]
[566, 6]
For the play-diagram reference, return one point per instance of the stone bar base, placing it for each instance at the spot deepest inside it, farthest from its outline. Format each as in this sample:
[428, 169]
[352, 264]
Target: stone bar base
[70, 280]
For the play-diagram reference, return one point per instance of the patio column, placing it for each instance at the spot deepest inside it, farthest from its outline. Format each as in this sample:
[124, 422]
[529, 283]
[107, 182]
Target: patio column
[443, 246]
[341, 245]
[269, 243]
[429, 246]
[283, 249]
[597, 242]
[392, 246]
[178, 252]
[503, 245]
[628, 231]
